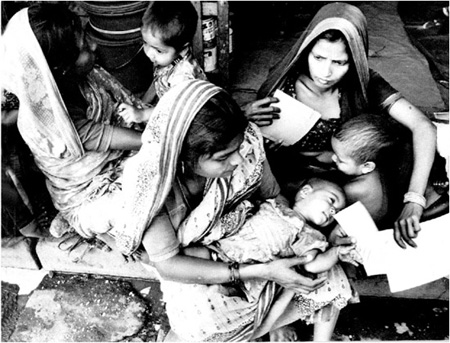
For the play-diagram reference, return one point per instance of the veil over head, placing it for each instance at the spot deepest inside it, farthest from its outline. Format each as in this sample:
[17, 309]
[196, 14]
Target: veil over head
[343, 17]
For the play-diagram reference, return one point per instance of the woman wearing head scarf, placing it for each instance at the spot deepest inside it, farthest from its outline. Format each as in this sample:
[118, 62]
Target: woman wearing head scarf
[327, 70]
[67, 114]
[185, 190]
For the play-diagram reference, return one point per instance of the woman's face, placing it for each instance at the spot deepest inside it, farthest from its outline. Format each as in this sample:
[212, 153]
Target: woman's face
[86, 58]
[328, 63]
[221, 163]
[159, 53]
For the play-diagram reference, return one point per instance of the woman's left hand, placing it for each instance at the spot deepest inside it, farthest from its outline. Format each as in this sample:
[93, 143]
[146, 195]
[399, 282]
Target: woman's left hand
[407, 225]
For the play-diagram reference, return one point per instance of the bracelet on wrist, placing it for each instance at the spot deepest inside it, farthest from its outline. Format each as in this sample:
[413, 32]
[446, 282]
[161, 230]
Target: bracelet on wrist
[235, 277]
[415, 198]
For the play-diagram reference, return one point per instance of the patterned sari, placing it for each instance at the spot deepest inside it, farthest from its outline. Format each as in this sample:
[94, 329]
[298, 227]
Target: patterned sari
[199, 312]
[75, 178]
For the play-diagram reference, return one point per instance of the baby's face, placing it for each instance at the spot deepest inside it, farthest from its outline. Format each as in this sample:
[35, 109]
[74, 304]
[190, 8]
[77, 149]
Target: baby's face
[342, 159]
[319, 206]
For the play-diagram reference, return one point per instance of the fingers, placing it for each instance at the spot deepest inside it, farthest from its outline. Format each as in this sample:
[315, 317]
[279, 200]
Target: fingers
[404, 231]
[338, 241]
[266, 101]
[264, 119]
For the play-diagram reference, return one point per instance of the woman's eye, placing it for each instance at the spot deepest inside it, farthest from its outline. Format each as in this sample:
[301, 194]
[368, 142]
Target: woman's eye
[341, 63]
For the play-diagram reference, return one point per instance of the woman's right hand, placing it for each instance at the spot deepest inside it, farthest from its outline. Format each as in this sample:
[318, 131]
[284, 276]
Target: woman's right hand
[281, 271]
[261, 112]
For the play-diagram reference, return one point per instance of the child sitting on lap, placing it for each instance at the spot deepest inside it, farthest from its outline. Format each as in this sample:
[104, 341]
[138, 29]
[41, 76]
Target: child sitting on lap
[167, 32]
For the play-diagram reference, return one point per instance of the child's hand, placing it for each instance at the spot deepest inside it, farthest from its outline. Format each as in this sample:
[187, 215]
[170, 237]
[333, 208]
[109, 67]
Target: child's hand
[130, 113]
[338, 237]
[350, 254]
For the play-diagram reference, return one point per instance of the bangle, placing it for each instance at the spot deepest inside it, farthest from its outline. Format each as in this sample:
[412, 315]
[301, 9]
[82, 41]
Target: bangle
[235, 277]
[415, 198]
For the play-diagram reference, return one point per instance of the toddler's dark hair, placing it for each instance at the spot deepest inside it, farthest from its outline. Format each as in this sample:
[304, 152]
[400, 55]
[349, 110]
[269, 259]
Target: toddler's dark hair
[369, 137]
[175, 22]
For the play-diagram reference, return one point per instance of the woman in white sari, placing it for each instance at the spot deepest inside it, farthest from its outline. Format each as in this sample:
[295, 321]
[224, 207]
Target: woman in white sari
[68, 114]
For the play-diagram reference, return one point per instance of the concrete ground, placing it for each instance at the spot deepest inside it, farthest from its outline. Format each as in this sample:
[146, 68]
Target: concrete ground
[81, 302]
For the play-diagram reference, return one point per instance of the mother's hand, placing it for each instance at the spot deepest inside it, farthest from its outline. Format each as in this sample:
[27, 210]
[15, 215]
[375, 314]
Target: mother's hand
[261, 112]
[281, 271]
[407, 225]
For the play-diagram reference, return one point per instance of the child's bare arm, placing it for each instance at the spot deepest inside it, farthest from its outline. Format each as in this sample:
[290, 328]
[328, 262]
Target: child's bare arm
[150, 94]
[323, 261]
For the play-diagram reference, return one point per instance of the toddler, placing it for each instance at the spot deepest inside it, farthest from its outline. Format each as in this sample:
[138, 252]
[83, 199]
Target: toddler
[167, 32]
[367, 149]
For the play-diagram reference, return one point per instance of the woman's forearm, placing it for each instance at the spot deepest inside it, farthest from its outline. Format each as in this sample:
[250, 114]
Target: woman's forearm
[188, 269]
[424, 148]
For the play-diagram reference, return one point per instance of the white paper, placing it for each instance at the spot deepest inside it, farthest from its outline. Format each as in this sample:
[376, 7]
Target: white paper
[296, 119]
[356, 222]
[412, 267]
[405, 268]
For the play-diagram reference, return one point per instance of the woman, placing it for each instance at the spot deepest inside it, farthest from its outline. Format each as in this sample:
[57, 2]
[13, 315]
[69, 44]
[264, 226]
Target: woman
[67, 114]
[184, 190]
[327, 69]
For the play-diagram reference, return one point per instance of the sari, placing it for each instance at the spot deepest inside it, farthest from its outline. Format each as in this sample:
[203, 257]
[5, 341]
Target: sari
[75, 178]
[199, 312]
[362, 89]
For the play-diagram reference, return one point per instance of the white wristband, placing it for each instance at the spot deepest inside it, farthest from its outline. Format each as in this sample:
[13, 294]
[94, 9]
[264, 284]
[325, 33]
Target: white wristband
[415, 198]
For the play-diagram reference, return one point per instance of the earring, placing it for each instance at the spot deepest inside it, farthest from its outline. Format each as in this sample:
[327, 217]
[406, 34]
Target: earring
[182, 167]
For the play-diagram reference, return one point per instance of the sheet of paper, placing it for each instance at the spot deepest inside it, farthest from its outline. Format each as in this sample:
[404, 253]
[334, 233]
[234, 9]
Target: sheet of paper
[296, 119]
[356, 222]
[412, 267]
[405, 268]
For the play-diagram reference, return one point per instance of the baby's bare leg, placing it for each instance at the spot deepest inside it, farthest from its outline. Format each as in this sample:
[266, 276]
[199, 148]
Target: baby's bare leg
[323, 331]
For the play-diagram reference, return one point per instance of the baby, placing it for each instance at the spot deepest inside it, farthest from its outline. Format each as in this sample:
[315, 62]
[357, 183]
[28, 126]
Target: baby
[276, 230]
[167, 31]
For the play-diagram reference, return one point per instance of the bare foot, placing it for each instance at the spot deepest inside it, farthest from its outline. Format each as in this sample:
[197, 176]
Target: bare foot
[284, 334]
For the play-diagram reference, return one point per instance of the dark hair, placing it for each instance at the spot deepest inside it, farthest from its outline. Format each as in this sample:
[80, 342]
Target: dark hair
[369, 137]
[331, 36]
[55, 27]
[174, 21]
[217, 123]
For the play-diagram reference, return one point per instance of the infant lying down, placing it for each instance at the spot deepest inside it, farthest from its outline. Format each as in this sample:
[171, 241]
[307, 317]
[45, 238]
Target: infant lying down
[276, 231]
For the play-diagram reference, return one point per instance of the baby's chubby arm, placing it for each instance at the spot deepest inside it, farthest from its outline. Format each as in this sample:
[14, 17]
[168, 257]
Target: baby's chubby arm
[322, 261]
